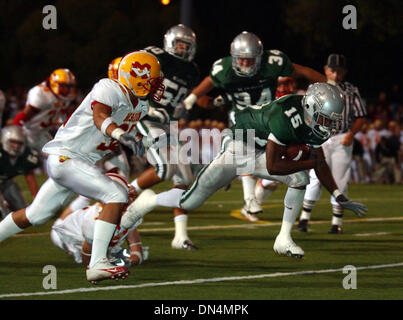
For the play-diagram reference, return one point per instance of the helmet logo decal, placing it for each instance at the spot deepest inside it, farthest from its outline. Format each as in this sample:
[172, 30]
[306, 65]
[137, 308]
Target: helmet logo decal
[140, 70]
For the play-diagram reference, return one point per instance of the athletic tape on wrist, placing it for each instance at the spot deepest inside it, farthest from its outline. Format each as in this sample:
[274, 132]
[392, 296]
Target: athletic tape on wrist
[336, 193]
[105, 125]
[190, 101]
[117, 133]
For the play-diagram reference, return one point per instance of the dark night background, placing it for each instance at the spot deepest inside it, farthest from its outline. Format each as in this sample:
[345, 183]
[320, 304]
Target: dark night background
[91, 33]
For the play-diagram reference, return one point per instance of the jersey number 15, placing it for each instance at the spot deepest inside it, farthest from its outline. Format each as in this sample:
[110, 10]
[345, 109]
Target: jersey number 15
[296, 119]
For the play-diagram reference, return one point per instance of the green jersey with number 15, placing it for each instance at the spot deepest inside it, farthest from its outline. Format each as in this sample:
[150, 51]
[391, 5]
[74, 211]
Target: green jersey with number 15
[259, 89]
[284, 118]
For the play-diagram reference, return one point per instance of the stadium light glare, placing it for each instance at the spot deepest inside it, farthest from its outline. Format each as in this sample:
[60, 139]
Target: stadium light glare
[165, 2]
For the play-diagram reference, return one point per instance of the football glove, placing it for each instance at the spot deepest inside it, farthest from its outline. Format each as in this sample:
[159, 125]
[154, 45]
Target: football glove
[358, 208]
[180, 111]
[161, 141]
[131, 142]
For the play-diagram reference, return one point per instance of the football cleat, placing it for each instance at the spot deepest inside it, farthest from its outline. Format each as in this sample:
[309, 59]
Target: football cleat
[104, 270]
[303, 225]
[144, 203]
[336, 229]
[251, 209]
[286, 246]
[184, 244]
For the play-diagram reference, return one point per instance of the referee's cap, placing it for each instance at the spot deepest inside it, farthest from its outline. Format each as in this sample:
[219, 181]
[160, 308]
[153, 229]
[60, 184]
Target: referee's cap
[336, 61]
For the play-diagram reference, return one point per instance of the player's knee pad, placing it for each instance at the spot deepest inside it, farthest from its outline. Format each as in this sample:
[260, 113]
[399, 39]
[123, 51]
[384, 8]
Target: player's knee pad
[116, 194]
[38, 215]
[298, 179]
[192, 200]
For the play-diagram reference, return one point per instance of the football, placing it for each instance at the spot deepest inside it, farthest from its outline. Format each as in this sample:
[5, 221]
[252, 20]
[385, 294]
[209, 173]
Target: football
[297, 151]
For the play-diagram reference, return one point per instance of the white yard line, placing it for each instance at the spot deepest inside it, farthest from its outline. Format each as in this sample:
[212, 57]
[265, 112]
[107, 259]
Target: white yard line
[238, 226]
[195, 281]
[371, 234]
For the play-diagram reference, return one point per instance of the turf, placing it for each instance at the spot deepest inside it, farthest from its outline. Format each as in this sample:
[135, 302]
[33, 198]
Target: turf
[235, 260]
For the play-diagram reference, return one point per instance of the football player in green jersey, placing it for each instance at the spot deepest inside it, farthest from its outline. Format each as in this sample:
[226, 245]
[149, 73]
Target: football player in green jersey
[181, 75]
[16, 159]
[257, 145]
[249, 78]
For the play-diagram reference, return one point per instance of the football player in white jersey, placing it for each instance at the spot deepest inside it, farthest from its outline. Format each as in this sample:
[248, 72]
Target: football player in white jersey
[107, 116]
[47, 104]
[74, 233]
[118, 160]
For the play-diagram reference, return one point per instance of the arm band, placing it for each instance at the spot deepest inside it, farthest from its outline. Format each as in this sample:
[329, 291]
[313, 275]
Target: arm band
[106, 124]
[117, 133]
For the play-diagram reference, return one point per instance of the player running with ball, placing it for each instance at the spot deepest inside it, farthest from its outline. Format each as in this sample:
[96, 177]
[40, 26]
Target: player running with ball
[305, 119]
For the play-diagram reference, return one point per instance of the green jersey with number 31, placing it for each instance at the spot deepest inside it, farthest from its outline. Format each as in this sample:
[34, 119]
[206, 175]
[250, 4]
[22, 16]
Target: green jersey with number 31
[259, 89]
[284, 118]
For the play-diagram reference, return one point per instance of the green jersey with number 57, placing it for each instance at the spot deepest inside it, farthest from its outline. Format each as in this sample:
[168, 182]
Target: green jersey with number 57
[284, 118]
[259, 89]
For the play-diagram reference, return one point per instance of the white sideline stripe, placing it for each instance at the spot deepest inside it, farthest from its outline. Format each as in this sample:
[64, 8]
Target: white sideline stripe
[185, 282]
[371, 234]
[236, 226]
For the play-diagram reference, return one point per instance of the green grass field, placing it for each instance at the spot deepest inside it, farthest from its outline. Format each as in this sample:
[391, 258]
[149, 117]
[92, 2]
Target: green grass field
[236, 260]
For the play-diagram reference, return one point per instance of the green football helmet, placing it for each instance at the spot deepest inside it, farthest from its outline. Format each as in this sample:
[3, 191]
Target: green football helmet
[323, 108]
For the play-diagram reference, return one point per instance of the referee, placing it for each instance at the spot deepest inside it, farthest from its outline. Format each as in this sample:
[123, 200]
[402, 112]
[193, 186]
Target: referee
[338, 149]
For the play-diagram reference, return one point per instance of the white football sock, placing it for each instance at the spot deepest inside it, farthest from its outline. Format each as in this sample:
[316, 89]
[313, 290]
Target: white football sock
[103, 232]
[135, 184]
[337, 218]
[292, 206]
[307, 209]
[8, 227]
[248, 184]
[170, 198]
[181, 226]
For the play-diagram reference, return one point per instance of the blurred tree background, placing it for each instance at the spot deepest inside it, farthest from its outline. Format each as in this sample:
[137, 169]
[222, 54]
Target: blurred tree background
[91, 33]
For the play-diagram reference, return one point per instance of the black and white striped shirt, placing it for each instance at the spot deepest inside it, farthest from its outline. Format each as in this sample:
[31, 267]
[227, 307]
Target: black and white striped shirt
[354, 107]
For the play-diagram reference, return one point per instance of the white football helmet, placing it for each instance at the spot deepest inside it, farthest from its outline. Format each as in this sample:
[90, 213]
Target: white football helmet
[180, 41]
[246, 45]
[13, 140]
[323, 108]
